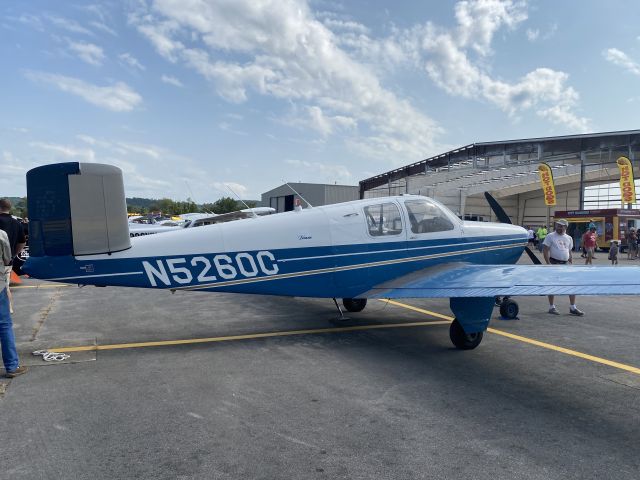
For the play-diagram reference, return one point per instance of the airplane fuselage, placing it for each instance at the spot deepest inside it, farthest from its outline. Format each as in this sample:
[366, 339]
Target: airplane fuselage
[338, 250]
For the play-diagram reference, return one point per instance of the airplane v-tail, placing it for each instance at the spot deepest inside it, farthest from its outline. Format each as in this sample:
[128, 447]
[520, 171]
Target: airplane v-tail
[404, 246]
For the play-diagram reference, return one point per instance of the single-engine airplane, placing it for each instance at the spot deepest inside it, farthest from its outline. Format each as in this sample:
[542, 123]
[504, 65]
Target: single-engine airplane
[405, 246]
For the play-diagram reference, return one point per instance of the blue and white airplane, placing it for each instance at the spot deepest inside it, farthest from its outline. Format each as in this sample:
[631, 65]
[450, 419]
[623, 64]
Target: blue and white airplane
[393, 247]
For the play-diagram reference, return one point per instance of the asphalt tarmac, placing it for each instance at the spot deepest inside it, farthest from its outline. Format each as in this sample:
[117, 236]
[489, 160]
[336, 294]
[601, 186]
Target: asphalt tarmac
[247, 395]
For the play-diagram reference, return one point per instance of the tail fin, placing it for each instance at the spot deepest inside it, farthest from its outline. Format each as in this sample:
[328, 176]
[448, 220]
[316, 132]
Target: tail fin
[76, 209]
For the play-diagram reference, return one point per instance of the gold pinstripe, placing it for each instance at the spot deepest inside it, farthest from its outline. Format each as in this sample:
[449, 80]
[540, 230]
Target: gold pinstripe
[320, 271]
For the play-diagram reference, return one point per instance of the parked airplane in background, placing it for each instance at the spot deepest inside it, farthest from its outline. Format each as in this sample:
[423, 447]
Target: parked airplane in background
[191, 220]
[393, 247]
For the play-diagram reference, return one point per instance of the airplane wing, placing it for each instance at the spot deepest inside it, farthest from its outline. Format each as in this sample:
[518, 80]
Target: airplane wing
[467, 280]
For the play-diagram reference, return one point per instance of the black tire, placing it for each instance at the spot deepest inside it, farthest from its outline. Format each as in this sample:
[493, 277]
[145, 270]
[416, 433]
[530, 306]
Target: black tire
[509, 309]
[462, 340]
[354, 304]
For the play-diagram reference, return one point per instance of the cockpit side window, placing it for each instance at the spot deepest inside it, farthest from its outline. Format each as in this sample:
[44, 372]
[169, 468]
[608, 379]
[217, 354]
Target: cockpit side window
[383, 219]
[427, 217]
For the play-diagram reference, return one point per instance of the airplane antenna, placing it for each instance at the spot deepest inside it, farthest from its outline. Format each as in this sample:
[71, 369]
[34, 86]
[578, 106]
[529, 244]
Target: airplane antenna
[192, 196]
[255, 215]
[294, 191]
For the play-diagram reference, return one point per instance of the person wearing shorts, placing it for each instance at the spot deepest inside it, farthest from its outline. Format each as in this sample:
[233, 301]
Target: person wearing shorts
[557, 249]
[589, 240]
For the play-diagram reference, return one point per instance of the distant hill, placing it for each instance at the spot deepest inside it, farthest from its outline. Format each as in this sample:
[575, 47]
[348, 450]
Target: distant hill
[168, 206]
[141, 203]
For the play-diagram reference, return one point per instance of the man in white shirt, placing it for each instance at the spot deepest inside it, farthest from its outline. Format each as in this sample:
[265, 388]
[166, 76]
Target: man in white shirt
[7, 338]
[557, 247]
[532, 235]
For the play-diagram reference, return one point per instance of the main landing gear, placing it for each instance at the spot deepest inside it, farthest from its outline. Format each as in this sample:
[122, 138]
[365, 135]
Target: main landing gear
[509, 309]
[462, 340]
[351, 305]
[354, 304]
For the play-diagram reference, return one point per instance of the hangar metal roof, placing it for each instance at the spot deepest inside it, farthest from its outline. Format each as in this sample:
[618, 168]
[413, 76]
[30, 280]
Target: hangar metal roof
[541, 147]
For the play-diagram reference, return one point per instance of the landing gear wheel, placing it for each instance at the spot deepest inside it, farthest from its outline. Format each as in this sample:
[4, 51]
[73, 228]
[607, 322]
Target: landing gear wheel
[509, 309]
[462, 340]
[354, 304]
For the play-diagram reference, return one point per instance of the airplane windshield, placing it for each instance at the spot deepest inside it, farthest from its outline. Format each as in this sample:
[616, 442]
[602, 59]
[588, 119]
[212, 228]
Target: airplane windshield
[427, 217]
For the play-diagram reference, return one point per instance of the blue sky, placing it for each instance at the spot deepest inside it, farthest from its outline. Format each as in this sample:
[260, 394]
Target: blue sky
[189, 95]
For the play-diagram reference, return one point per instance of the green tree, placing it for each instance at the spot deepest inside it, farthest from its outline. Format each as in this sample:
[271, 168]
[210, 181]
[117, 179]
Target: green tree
[20, 208]
[223, 205]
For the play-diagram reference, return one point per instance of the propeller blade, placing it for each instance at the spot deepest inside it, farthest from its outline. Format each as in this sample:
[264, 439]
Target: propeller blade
[534, 258]
[504, 218]
[497, 209]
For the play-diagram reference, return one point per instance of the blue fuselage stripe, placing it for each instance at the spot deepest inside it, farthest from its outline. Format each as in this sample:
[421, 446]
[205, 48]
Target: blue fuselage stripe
[327, 271]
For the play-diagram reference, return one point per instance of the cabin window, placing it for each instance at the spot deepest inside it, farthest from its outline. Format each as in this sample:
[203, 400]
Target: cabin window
[383, 219]
[427, 217]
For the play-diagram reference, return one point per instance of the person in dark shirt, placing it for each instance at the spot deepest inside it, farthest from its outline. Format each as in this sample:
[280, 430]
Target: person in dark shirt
[15, 232]
[12, 227]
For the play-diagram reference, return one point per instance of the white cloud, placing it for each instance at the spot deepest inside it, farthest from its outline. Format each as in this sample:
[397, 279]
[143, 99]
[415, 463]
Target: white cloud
[171, 81]
[88, 52]
[451, 67]
[93, 141]
[32, 21]
[151, 151]
[103, 27]
[12, 166]
[231, 189]
[69, 25]
[479, 20]
[118, 97]
[227, 127]
[131, 61]
[14, 170]
[618, 57]
[345, 25]
[315, 118]
[458, 60]
[66, 151]
[291, 56]
[533, 34]
[328, 172]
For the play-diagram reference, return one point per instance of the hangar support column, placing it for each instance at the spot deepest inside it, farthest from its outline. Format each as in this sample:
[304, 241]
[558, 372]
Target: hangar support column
[583, 158]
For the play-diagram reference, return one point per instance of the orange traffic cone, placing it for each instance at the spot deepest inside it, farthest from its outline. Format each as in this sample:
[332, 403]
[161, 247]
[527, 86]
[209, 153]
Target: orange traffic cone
[15, 279]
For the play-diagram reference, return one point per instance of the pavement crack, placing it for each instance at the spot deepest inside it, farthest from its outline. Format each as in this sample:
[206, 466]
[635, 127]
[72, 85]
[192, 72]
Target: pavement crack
[44, 314]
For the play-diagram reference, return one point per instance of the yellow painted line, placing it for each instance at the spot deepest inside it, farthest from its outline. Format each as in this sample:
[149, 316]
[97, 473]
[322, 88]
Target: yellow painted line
[43, 286]
[548, 346]
[416, 309]
[556, 348]
[243, 337]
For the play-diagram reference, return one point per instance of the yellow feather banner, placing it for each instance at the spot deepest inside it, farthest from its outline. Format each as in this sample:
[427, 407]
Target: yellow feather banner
[627, 185]
[546, 180]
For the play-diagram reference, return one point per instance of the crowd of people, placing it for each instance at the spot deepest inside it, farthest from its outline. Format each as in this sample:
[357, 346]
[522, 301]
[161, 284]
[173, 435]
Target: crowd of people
[587, 243]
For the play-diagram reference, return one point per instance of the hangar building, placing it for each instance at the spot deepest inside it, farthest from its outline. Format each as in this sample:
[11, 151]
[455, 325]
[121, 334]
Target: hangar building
[283, 198]
[508, 170]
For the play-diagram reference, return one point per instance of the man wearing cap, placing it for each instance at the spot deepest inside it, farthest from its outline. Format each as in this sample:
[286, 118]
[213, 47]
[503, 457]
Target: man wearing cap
[557, 249]
[589, 240]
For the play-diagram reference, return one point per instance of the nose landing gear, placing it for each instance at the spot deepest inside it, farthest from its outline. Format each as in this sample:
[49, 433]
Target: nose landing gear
[509, 309]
